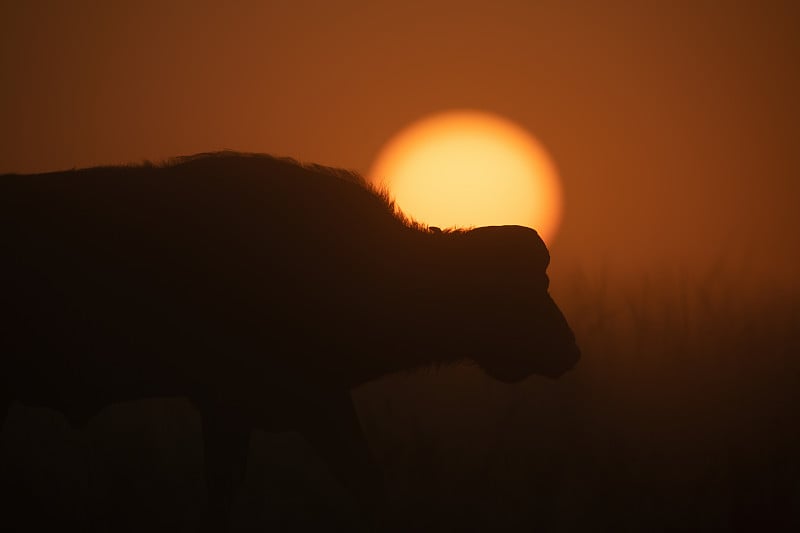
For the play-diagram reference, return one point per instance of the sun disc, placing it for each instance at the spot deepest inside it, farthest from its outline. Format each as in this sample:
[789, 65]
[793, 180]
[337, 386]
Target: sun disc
[469, 169]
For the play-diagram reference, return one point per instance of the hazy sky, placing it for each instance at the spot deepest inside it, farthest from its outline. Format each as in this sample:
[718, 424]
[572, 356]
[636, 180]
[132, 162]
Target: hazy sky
[673, 124]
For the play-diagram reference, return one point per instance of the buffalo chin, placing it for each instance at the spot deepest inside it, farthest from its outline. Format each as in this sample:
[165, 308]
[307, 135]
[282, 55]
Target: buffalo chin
[553, 366]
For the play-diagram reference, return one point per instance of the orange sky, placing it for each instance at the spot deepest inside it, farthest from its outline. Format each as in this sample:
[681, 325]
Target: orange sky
[673, 126]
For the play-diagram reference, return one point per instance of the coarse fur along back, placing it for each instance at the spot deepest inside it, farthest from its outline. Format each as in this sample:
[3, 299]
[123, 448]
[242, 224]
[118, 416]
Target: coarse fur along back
[274, 164]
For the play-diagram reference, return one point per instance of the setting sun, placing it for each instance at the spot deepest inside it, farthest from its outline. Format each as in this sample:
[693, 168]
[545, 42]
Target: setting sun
[470, 168]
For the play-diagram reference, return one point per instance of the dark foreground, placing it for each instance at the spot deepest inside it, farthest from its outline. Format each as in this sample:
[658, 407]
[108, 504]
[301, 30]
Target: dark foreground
[681, 417]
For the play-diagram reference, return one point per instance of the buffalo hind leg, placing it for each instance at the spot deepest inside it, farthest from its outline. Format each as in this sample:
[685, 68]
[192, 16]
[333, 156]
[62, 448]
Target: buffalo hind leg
[6, 404]
[226, 438]
[5, 397]
[336, 435]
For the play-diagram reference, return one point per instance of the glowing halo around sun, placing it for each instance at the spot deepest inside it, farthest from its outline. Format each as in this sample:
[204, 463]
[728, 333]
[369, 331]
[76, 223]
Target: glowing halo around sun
[470, 169]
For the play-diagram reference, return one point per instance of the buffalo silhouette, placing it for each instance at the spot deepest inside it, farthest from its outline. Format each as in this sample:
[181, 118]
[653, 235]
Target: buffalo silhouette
[261, 289]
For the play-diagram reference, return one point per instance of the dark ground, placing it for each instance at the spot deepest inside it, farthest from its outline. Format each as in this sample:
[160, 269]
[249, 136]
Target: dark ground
[682, 416]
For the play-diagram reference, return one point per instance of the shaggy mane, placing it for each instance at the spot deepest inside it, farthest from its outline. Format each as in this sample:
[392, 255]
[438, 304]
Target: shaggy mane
[351, 176]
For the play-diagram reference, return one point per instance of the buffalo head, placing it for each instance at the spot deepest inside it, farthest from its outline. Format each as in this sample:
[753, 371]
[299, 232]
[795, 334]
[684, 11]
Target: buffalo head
[515, 328]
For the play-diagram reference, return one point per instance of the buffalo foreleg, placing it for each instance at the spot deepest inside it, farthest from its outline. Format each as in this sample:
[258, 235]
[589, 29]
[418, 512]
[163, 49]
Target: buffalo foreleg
[226, 438]
[335, 433]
